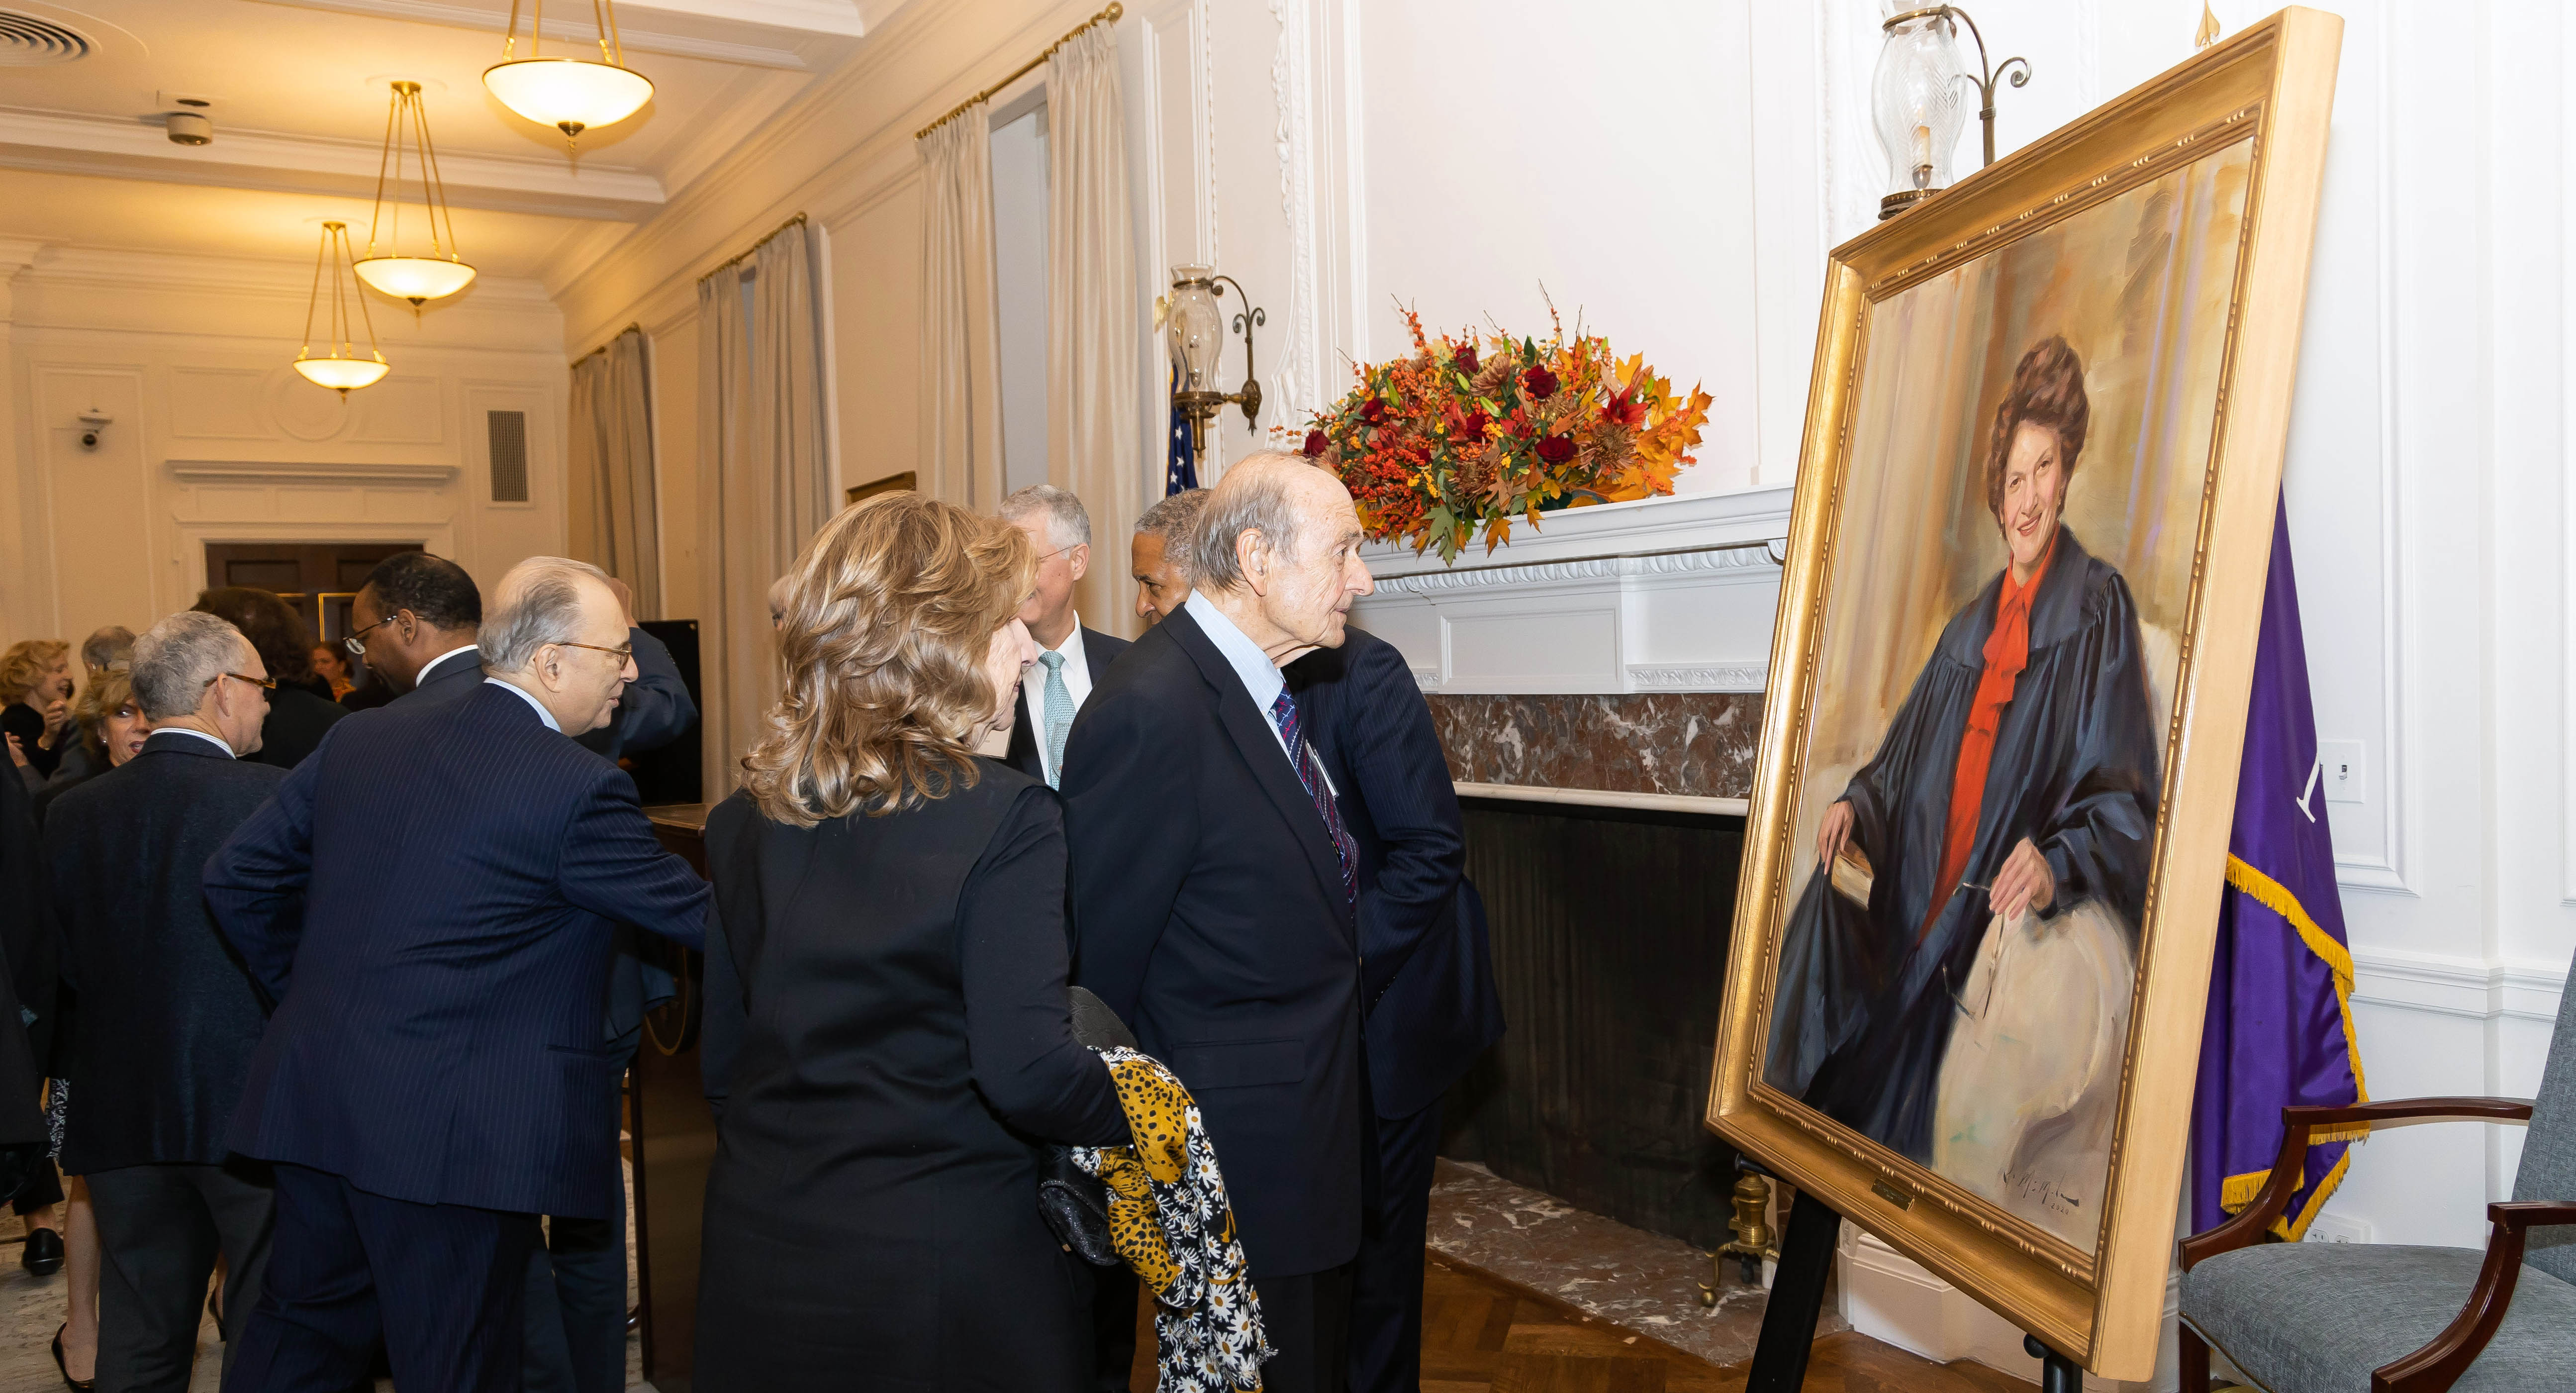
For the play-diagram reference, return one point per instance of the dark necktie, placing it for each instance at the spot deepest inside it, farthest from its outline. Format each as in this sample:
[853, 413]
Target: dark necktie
[1310, 772]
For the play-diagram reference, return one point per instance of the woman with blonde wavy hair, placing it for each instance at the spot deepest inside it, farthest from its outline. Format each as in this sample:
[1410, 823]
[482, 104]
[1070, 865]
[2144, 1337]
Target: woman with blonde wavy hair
[891, 989]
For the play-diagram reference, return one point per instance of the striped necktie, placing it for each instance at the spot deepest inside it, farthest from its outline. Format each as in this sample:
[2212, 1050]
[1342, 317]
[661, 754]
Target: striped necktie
[1310, 772]
[1058, 716]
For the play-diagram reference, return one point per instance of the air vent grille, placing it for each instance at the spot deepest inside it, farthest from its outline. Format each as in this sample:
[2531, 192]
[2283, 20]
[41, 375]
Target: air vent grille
[29, 41]
[508, 433]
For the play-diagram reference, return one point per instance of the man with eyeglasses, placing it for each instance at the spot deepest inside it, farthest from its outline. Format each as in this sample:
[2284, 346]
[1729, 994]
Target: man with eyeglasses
[1070, 657]
[167, 1021]
[430, 901]
[415, 621]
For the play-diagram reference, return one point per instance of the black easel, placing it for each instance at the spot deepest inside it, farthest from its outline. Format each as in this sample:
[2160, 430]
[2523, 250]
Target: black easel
[1798, 1298]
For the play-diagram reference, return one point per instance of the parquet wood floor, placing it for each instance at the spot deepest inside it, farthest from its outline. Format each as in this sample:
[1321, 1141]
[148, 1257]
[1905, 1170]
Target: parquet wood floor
[1484, 1335]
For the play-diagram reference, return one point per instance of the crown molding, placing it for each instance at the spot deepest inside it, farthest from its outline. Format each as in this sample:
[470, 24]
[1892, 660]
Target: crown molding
[113, 147]
[126, 269]
[675, 245]
[270, 472]
[798, 35]
[1749, 559]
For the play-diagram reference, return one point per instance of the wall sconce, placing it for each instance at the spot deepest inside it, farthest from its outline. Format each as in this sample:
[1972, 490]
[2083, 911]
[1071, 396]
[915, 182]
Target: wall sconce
[1915, 101]
[1197, 328]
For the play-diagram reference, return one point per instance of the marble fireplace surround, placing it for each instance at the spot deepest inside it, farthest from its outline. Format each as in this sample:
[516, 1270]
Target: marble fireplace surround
[1615, 656]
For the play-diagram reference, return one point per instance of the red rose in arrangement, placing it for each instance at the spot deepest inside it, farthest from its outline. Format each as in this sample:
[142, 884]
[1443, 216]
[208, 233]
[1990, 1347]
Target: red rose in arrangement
[1556, 449]
[1373, 411]
[1465, 358]
[1314, 443]
[1539, 383]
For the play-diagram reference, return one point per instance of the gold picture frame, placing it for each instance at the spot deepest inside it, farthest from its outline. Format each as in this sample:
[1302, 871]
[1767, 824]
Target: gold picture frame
[2247, 119]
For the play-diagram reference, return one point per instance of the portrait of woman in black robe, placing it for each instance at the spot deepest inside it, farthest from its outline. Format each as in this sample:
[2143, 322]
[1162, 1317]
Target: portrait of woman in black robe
[2018, 778]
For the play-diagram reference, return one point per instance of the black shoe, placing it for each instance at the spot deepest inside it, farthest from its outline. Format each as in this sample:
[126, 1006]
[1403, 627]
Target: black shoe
[79, 1385]
[44, 1255]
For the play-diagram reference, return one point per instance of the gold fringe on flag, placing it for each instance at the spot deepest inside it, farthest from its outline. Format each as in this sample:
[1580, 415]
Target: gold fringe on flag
[2238, 1191]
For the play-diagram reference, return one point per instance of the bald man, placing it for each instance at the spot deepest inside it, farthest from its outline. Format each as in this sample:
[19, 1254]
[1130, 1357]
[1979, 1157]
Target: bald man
[428, 902]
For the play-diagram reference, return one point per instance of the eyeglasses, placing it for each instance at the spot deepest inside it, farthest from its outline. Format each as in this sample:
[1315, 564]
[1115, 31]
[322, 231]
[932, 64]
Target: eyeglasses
[263, 683]
[623, 653]
[356, 643]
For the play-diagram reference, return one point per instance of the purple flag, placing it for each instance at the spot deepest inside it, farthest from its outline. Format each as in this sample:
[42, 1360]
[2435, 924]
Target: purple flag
[2280, 1015]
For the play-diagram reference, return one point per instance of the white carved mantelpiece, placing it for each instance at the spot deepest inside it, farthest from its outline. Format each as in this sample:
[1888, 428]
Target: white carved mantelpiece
[1664, 595]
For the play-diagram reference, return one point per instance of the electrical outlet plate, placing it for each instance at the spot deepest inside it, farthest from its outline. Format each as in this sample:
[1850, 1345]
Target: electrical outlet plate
[2336, 1228]
[2346, 777]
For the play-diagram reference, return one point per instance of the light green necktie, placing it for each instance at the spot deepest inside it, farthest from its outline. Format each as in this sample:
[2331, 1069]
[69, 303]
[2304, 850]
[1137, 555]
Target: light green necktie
[1059, 715]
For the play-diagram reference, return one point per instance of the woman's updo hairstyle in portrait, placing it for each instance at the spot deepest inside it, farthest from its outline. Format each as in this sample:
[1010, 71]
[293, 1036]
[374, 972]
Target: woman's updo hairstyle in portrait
[2047, 390]
[890, 613]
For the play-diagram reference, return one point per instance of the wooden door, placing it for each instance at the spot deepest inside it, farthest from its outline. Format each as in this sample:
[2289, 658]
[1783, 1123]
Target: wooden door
[319, 579]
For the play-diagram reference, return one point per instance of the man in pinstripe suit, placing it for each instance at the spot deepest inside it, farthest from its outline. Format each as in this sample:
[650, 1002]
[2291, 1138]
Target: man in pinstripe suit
[427, 902]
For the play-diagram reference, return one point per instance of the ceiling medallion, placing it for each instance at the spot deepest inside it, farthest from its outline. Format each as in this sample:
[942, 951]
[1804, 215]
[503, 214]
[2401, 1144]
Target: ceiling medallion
[415, 278]
[570, 94]
[341, 369]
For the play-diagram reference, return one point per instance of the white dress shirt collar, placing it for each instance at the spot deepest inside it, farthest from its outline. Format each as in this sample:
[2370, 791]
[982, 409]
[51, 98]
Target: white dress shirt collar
[215, 740]
[1077, 683]
[432, 665]
[525, 695]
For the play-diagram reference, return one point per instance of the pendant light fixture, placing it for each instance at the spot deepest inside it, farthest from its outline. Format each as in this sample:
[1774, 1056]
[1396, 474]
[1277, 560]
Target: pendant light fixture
[415, 278]
[341, 369]
[570, 94]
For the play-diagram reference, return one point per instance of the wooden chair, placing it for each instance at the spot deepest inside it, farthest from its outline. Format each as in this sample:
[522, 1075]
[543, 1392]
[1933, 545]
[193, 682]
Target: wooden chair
[2313, 1317]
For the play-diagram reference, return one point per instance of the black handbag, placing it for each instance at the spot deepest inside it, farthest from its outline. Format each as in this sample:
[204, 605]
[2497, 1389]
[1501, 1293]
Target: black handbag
[1075, 1204]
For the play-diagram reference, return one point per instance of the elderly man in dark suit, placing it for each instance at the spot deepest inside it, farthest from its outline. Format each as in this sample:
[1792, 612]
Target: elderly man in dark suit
[1426, 971]
[429, 902]
[415, 621]
[297, 719]
[1071, 658]
[1213, 887]
[168, 1020]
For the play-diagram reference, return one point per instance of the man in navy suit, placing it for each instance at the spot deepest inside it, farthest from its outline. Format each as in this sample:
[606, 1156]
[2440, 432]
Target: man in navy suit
[167, 1019]
[1426, 974]
[414, 621]
[428, 902]
[1212, 886]
[1071, 658]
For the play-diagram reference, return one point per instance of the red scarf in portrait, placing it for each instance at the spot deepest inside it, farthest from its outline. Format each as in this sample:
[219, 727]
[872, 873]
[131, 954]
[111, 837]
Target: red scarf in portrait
[2007, 653]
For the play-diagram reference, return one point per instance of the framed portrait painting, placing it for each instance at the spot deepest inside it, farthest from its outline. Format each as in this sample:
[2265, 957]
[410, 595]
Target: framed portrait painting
[1984, 856]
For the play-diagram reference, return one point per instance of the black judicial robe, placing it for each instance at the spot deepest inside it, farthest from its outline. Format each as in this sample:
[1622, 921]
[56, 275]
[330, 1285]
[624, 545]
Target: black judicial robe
[1864, 1010]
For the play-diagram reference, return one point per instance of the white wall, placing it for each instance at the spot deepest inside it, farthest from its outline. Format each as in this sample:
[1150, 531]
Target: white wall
[215, 438]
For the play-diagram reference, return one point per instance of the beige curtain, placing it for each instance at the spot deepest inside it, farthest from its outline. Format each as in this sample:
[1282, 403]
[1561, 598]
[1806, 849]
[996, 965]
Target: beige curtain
[1092, 344]
[615, 510]
[764, 429]
[961, 355]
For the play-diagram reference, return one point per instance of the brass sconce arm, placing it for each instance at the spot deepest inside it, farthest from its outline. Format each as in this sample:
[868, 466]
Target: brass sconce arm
[1202, 406]
[1989, 75]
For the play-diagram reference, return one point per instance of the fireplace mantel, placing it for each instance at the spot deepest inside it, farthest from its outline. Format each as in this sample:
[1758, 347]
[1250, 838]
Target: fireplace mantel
[1615, 653]
[1664, 595]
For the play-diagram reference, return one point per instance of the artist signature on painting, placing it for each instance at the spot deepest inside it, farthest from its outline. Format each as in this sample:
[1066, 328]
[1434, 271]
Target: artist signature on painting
[2043, 1190]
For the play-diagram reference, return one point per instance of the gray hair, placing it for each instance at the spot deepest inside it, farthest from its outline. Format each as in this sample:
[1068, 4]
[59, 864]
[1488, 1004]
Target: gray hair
[107, 648]
[178, 658]
[1176, 521]
[1250, 498]
[539, 603]
[1067, 521]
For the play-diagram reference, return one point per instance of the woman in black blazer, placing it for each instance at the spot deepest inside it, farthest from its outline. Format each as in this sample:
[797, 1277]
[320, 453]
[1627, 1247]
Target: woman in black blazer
[891, 990]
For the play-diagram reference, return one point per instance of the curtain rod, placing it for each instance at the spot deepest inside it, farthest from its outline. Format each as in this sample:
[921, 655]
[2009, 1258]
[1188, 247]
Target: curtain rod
[613, 338]
[748, 252]
[1112, 15]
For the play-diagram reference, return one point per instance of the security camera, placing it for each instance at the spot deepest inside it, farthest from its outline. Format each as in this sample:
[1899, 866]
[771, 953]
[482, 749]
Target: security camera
[189, 128]
[92, 422]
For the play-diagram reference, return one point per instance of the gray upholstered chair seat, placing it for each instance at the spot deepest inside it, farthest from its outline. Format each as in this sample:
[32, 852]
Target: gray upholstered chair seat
[2318, 1317]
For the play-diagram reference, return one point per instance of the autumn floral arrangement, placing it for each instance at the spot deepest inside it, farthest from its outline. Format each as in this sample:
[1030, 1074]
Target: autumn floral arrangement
[1468, 433]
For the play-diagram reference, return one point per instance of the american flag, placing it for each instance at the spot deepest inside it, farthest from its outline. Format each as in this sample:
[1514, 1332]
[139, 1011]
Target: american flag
[1182, 474]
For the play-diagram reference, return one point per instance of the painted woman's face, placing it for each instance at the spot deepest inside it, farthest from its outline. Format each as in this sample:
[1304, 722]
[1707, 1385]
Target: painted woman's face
[2034, 492]
[127, 727]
